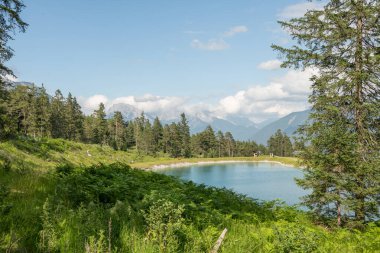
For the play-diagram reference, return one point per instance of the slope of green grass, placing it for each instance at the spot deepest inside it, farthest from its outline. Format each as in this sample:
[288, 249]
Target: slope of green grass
[46, 206]
[46, 154]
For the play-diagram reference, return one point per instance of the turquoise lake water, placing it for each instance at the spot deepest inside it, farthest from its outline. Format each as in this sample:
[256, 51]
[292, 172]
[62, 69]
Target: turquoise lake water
[259, 180]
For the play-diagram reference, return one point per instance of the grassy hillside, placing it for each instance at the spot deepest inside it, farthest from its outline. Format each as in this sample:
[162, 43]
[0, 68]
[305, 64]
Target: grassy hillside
[52, 199]
[46, 154]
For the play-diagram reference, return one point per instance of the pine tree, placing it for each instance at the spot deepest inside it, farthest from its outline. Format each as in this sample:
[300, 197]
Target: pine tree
[208, 142]
[39, 112]
[342, 42]
[44, 113]
[78, 120]
[130, 135]
[157, 130]
[10, 22]
[221, 142]
[148, 139]
[184, 129]
[280, 145]
[174, 140]
[69, 114]
[89, 129]
[100, 125]
[246, 148]
[230, 143]
[166, 138]
[58, 119]
[118, 131]
[138, 130]
[18, 110]
[31, 121]
[195, 141]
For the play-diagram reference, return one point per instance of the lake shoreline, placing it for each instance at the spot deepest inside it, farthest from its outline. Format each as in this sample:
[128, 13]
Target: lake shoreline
[160, 165]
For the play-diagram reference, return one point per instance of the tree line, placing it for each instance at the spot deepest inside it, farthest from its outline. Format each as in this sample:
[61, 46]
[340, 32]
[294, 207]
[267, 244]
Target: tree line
[30, 111]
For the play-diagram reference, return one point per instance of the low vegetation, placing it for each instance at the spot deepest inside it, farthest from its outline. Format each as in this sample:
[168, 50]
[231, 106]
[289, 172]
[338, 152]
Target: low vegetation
[47, 207]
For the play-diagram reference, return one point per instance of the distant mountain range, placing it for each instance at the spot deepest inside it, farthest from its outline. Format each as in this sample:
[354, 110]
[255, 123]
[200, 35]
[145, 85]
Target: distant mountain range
[241, 128]
[288, 124]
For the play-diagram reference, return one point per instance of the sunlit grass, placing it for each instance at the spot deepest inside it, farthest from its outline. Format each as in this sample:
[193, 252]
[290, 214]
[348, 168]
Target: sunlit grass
[46, 154]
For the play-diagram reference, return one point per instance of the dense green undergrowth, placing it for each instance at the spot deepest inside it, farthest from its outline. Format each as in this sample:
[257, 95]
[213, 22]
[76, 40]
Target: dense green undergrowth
[94, 208]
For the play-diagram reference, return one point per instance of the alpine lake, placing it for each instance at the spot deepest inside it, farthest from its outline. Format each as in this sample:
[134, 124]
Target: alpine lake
[259, 180]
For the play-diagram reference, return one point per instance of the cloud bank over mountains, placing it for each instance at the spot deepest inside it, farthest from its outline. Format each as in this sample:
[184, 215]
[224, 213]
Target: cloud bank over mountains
[281, 96]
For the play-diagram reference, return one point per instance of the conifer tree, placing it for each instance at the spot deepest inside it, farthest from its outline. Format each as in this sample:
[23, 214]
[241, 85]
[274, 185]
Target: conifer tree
[184, 130]
[166, 138]
[280, 145]
[174, 140]
[89, 129]
[230, 143]
[10, 22]
[157, 130]
[341, 41]
[100, 125]
[130, 135]
[70, 127]
[119, 130]
[139, 124]
[31, 121]
[78, 120]
[208, 142]
[221, 142]
[18, 109]
[148, 139]
[58, 119]
[43, 112]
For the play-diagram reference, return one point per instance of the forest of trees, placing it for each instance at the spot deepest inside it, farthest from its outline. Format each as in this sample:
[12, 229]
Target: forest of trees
[279, 144]
[31, 112]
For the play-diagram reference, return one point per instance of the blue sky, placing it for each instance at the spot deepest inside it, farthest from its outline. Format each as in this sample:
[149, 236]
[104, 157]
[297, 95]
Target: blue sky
[162, 55]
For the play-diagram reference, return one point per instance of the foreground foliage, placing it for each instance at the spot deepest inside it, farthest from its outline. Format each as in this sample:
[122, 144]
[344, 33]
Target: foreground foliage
[98, 208]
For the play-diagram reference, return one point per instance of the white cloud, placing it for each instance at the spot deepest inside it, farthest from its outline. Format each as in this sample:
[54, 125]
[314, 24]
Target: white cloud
[270, 65]
[218, 44]
[11, 78]
[281, 96]
[166, 107]
[235, 30]
[297, 82]
[92, 103]
[298, 10]
[150, 103]
[211, 45]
